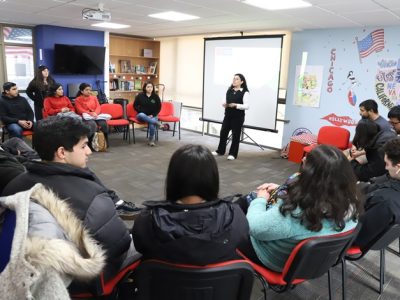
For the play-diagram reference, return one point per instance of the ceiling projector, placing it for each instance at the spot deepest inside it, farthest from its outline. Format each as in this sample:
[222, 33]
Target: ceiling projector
[96, 15]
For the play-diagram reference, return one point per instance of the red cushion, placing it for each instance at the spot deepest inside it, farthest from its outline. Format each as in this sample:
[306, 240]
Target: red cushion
[354, 250]
[27, 132]
[168, 119]
[309, 148]
[120, 122]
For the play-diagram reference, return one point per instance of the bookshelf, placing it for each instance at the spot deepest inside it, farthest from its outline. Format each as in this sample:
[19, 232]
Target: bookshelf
[132, 62]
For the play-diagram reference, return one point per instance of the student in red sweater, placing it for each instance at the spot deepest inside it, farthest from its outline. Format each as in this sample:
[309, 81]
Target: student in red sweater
[58, 104]
[88, 107]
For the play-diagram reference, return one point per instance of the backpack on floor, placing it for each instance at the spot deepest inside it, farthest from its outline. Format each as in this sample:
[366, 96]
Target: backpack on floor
[99, 142]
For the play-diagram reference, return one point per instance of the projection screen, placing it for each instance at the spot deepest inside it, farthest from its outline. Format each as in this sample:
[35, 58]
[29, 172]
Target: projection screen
[258, 58]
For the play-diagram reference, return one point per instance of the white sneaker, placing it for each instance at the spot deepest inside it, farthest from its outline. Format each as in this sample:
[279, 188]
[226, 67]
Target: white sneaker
[215, 153]
[230, 157]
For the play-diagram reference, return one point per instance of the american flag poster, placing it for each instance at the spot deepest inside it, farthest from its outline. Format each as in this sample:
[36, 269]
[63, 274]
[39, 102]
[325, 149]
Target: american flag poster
[373, 42]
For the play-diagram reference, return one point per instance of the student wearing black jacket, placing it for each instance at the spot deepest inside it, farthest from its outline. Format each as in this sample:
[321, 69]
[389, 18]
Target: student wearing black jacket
[382, 203]
[192, 226]
[148, 105]
[38, 88]
[15, 111]
[61, 143]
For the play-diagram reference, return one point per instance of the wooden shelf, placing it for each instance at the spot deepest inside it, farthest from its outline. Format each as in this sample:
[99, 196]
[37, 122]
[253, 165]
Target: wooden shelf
[132, 74]
[130, 56]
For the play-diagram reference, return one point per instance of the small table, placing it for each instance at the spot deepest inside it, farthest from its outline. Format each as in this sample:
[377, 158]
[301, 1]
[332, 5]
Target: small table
[297, 144]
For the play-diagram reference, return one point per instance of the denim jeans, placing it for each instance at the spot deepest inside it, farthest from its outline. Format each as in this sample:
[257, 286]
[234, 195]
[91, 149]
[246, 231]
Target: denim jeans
[14, 130]
[152, 121]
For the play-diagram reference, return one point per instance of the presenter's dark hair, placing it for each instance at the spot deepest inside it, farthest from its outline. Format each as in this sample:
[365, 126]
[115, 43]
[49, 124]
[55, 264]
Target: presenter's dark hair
[39, 79]
[145, 86]
[55, 132]
[244, 84]
[366, 132]
[53, 89]
[8, 85]
[326, 189]
[392, 150]
[192, 171]
[82, 86]
[394, 112]
[369, 105]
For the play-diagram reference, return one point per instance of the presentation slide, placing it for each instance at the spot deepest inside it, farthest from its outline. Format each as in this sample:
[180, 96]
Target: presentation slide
[258, 58]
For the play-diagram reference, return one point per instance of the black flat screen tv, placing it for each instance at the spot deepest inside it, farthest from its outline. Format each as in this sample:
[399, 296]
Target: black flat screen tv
[82, 60]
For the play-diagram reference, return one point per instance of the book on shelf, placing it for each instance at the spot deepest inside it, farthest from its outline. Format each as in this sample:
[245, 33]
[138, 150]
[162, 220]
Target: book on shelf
[112, 68]
[138, 85]
[125, 66]
[153, 67]
[140, 69]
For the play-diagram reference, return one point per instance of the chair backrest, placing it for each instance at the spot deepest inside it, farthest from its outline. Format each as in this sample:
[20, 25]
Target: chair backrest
[130, 111]
[385, 238]
[334, 136]
[162, 280]
[313, 257]
[167, 109]
[115, 110]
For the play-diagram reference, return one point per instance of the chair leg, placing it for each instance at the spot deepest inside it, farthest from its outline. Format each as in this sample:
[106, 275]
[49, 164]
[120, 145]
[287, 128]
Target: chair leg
[264, 284]
[382, 271]
[344, 279]
[329, 284]
[179, 129]
[173, 132]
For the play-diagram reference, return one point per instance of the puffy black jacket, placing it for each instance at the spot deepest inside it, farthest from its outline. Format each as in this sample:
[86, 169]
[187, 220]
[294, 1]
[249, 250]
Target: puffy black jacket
[382, 208]
[197, 234]
[91, 201]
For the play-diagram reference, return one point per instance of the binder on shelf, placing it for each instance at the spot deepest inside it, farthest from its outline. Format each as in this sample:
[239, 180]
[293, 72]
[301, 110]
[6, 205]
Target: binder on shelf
[153, 68]
[147, 52]
[138, 85]
[125, 66]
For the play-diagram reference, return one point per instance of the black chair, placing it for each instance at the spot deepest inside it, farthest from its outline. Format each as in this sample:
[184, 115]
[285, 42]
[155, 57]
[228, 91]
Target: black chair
[310, 259]
[157, 280]
[383, 240]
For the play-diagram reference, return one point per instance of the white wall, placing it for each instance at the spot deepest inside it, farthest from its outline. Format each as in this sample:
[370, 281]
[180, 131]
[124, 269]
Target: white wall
[181, 66]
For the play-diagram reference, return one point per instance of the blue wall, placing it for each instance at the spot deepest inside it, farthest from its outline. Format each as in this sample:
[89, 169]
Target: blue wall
[347, 77]
[45, 38]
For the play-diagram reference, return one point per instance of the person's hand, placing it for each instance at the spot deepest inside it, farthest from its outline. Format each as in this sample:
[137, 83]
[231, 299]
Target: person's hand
[65, 109]
[268, 186]
[24, 124]
[232, 105]
[150, 116]
[30, 124]
[224, 105]
[263, 193]
[93, 114]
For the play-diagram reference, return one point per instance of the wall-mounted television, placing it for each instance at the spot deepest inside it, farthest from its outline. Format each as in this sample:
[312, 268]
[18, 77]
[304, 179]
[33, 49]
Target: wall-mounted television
[72, 59]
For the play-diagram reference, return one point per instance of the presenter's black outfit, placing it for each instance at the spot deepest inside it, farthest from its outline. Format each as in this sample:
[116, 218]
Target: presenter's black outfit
[233, 120]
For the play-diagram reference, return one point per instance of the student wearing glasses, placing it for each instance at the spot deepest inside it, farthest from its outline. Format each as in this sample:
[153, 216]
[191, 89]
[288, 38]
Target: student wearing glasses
[394, 118]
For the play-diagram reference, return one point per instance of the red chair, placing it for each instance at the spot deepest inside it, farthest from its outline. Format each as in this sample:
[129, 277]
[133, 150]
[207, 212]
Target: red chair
[167, 114]
[103, 287]
[383, 240]
[158, 279]
[331, 135]
[310, 259]
[117, 118]
[131, 114]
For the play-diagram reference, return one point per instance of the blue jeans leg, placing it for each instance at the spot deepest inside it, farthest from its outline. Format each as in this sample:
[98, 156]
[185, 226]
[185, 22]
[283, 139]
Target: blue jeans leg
[14, 130]
[152, 121]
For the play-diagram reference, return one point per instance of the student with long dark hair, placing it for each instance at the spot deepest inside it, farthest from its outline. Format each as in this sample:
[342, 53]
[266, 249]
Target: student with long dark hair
[235, 105]
[370, 138]
[193, 226]
[322, 201]
[148, 105]
[38, 88]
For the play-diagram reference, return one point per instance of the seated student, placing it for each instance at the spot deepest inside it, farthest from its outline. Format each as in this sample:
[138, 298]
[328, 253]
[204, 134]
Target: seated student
[394, 118]
[57, 248]
[368, 137]
[62, 145]
[58, 104]
[369, 111]
[15, 111]
[193, 226]
[382, 201]
[148, 105]
[322, 201]
[88, 107]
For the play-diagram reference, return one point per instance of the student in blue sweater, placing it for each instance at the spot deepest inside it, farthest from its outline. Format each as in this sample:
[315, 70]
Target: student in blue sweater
[323, 200]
